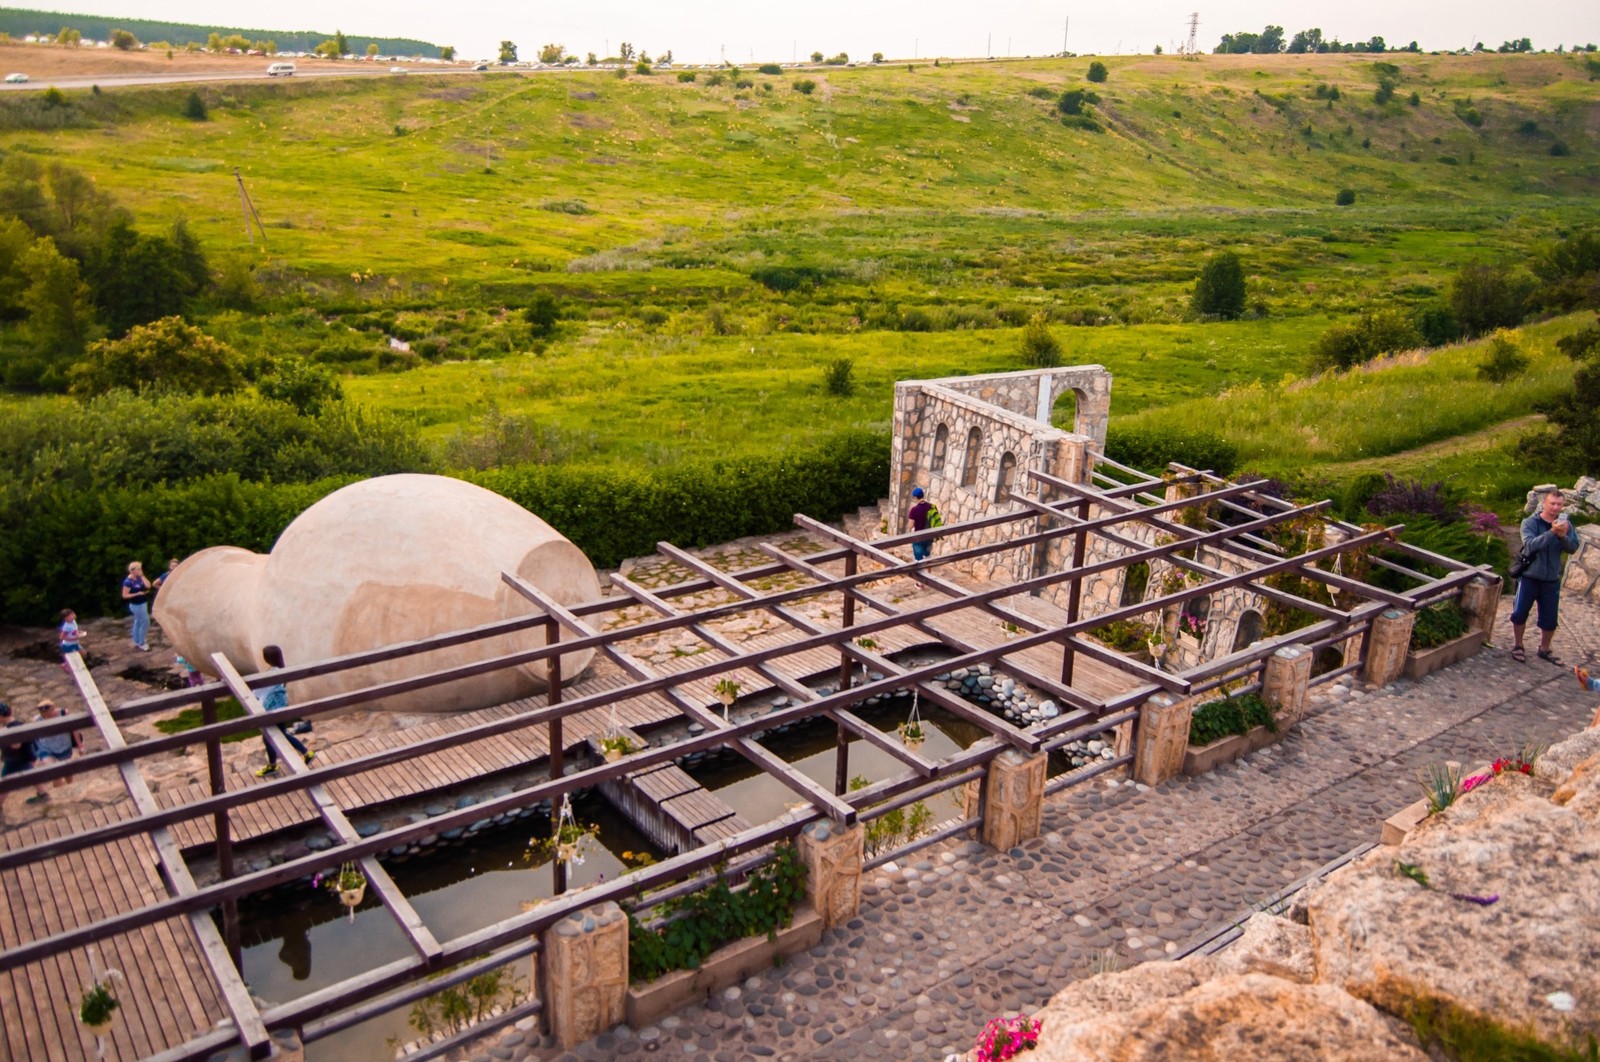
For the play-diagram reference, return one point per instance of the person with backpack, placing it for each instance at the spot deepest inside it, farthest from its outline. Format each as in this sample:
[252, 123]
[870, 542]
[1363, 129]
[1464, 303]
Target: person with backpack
[1546, 535]
[921, 516]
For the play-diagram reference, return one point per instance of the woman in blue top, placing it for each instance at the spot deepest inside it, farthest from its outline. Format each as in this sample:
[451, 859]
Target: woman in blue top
[1546, 535]
[136, 592]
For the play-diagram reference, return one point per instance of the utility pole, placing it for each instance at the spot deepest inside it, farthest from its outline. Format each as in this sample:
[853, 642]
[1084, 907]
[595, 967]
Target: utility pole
[988, 46]
[1064, 27]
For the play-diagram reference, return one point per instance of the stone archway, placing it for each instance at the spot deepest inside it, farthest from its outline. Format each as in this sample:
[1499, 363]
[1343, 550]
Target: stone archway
[1248, 631]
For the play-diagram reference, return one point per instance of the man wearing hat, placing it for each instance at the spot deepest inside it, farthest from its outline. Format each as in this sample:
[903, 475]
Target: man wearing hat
[918, 516]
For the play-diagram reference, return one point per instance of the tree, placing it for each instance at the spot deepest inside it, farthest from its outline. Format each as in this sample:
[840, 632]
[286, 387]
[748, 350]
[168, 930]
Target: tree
[166, 353]
[214, 43]
[15, 240]
[1486, 297]
[1097, 72]
[1571, 443]
[508, 53]
[877, 57]
[1307, 41]
[137, 278]
[342, 41]
[625, 52]
[542, 313]
[1237, 43]
[1219, 290]
[194, 108]
[69, 37]
[308, 388]
[666, 58]
[122, 40]
[448, 53]
[591, 60]
[1373, 334]
[1040, 348]
[60, 313]
[816, 57]
[372, 49]
[328, 49]
[1270, 42]
[551, 54]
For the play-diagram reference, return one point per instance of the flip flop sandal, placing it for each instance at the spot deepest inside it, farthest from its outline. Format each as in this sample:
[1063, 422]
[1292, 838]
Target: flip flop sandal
[1548, 655]
[1518, 655]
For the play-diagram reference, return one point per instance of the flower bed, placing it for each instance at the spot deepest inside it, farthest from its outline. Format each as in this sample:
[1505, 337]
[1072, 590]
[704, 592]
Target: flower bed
[1221, 731]
[1441, 635]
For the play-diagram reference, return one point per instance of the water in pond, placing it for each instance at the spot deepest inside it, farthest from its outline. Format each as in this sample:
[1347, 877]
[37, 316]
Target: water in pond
[297, 942]
[809, 747]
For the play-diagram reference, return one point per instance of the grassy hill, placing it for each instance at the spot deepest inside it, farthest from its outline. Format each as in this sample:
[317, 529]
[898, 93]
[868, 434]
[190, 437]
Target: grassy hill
[714, 246]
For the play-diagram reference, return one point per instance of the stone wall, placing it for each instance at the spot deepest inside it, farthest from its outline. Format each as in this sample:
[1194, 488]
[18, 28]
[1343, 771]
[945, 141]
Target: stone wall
[1582, 577]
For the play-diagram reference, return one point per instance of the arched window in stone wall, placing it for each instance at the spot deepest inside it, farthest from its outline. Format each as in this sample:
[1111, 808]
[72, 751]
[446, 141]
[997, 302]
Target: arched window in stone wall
[1194, 616]
[969, 467]
[1002, 484]
[1135, 580]
[1329, 658]
[941, 442]
[1249, 630]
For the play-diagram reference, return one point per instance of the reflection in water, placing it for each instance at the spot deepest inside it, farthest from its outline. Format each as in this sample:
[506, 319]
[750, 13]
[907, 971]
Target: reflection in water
[299, 940]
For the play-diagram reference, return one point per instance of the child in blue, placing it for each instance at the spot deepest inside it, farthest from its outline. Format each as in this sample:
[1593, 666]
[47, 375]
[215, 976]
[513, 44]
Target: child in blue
[273, 698]
[71, 637]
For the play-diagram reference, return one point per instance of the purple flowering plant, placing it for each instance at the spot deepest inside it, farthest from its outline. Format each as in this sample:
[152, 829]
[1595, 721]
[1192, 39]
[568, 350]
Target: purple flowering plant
[1004, 1038]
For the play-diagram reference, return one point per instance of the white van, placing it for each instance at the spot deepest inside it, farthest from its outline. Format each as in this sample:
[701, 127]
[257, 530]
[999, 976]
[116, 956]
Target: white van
[284, 69]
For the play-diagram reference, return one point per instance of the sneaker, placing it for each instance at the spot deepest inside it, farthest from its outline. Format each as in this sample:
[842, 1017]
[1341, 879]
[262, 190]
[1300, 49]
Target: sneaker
[268, 771]
[142, 648]
[309, 756]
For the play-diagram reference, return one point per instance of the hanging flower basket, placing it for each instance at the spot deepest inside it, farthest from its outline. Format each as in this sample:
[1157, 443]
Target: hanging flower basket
[727, 692]
[566, 851]
[615, 746]
[912, 732]
[565, 843]
[98, 1008]
[350, 885]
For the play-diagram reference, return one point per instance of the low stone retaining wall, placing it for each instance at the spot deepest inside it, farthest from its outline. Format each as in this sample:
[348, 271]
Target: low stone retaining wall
[1200, 759]
[1423, 662]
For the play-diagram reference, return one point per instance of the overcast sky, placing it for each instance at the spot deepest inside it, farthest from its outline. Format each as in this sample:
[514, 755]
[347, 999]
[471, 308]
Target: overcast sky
[765, 30]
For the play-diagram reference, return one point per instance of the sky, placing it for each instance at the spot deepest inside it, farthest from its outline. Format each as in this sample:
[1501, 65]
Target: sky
[745, 31]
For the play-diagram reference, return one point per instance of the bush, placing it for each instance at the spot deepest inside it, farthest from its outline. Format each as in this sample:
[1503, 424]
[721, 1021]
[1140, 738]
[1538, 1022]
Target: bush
[1438, 624]
[1406, 496]
[194, 108]
[1219, 290]
[685, 75]
[1486, 297]
[1040, 348]
[1125, 636]
[1215, 720]
[1438, 326]
[839, 377]
[1560, 149]
[1504, 359]
[805, 86]
[1150, 449]
[165, 354]
[771, 69]
[1073, 101]
[1345, 197]
[1346, 346]
[787, 278]
[1097, 72]
[542, 313]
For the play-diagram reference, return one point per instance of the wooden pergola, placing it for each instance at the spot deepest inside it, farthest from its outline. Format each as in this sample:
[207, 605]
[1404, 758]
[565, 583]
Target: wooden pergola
[847, 569]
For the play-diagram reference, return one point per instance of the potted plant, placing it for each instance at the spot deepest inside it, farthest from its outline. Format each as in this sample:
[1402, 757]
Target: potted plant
[727, 691]
[350, 885]
[1191, 626]
[615, 746]
[866, 641]
[911, 732]
[97, 1007]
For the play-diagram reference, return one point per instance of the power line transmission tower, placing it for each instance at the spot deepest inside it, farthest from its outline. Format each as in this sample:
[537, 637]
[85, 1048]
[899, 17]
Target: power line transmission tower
[1191, 50]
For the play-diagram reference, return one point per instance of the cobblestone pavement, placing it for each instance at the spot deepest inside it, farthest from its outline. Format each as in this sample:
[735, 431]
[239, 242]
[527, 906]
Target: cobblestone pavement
[1121, 874]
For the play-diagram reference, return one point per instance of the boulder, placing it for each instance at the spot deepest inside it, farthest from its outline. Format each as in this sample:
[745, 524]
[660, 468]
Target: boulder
[1270, 945]
[1387, 940]
[1231, 1018]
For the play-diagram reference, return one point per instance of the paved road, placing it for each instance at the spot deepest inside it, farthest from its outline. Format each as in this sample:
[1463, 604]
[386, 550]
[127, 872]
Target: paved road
[1121, 871]
[110, 80]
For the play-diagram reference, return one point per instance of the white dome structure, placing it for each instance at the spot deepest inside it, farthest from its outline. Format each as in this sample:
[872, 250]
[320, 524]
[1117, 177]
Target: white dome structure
[387, 560]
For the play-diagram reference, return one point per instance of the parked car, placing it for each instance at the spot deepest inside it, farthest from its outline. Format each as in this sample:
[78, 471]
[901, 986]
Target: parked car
[16, 79]
[397, 70]
[480, 66]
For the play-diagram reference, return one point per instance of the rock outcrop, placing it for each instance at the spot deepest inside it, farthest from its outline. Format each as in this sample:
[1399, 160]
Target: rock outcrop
[1377, 946]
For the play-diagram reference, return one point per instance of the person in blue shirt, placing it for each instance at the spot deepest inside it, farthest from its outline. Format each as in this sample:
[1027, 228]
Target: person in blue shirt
[273, 698]
[1546, 535]
[136, 592]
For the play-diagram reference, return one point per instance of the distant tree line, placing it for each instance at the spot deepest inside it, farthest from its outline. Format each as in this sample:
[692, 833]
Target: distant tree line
[1271, 41]
[20, 23]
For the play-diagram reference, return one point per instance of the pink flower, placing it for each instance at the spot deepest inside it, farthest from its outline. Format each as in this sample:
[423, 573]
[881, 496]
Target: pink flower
[1469, 784]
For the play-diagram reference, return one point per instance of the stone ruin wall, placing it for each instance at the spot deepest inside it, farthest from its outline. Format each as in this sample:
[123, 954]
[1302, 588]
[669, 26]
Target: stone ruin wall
[1011, 412]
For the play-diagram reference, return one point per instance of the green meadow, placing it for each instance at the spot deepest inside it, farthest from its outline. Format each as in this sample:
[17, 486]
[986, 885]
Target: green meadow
[714, 247]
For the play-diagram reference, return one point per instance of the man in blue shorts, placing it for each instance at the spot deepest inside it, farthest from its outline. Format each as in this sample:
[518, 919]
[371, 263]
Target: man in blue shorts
[1546, 535]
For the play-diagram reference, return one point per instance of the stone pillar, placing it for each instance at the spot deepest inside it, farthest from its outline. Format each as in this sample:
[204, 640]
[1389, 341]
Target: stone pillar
[1013, 799]
[1480, 600]
[833, 855]
[1387, 643]
[1287, 682]
[1161, 738]
[585, 961]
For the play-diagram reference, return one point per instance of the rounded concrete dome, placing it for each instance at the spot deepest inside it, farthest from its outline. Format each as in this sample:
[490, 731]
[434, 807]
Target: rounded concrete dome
[387, 560]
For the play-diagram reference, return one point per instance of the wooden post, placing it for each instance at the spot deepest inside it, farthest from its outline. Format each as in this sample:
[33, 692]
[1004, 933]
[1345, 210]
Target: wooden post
[222, 827]
[1080, 548]
[841, 753]
[558, 752]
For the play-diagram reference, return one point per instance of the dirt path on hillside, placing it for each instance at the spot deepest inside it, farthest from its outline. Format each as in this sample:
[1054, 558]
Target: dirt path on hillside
[1487, 439]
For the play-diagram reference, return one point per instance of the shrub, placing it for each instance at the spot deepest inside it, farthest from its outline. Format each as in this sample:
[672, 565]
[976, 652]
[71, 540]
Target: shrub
[1504, 359]
[805, 86]
[1437, 624]
[1215, 720]
[839, 377]
[1345, 197]
[642, 69]
[1040, 92]
[1150, 449]
[542, 313]
[1219, 290]
[1346, 346]
[685, 75]
[194, 108]
[1404, 496]
[1083, 122]
[1437, 324]
[165, 354]
[771, 69]
[1073, 101]
[1125, 636]
[1560, 149]
[703, 921]
[1097, 72]
[787, 278]
[1486, 297]
[1040, 348]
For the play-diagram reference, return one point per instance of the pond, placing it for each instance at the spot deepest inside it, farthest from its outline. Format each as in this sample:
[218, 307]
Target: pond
[297, 942]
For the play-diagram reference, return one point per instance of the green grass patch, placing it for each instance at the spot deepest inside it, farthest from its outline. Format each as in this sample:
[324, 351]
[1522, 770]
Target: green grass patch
[189, 718]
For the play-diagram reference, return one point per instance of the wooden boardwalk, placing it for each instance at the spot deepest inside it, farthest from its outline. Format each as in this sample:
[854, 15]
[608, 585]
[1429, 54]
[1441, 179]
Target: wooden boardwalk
[169, 995]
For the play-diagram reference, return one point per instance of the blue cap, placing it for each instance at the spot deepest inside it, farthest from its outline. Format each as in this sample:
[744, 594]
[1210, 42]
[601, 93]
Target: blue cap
[916, 492]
